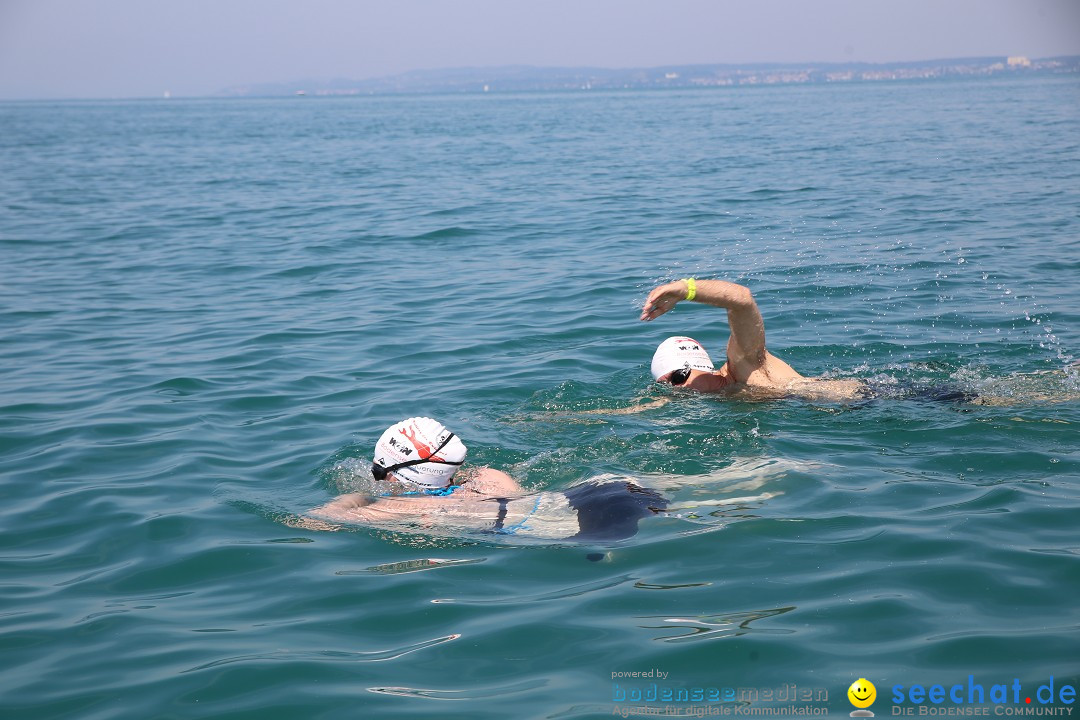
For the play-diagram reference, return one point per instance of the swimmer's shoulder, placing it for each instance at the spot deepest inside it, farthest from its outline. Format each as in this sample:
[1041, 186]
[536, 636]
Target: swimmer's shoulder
[490, 482]
[773, 372]
[748, 381]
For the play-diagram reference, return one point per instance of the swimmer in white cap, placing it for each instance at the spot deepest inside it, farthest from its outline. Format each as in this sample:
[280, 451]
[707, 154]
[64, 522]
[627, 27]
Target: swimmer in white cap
[423, 458]
[750, 370]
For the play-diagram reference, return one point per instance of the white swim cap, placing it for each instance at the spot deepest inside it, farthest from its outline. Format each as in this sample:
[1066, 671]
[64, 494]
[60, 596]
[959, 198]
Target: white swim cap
[420, 451]
[679, 352]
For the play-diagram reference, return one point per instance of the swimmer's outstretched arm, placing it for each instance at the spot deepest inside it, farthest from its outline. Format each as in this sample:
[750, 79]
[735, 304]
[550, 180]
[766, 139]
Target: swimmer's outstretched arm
[343, 507]
[747, 342]
[632, 410]
[348, 502]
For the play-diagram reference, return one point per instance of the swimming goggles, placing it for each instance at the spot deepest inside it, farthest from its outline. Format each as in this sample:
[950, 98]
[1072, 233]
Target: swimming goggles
[678, 377]
[380, 472]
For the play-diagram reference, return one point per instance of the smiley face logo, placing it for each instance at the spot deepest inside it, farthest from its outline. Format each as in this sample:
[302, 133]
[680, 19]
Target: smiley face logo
[862, 693]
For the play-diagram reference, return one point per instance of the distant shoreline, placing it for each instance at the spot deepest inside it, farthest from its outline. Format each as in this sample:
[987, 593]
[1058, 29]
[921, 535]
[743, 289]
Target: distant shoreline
[519, 78]
[514, 79]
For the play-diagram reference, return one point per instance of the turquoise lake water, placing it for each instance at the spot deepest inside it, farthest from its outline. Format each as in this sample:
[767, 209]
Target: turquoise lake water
[212, 308]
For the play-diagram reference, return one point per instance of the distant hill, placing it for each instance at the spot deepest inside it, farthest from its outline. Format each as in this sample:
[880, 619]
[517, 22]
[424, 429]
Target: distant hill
[524, 78]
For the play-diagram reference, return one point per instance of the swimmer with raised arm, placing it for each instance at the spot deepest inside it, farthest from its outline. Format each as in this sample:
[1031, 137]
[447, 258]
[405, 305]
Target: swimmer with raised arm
[750, 371]
[422, 459]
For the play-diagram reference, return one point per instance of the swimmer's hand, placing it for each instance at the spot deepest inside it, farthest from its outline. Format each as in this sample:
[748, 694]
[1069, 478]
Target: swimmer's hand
[309, 523]
[663, 298]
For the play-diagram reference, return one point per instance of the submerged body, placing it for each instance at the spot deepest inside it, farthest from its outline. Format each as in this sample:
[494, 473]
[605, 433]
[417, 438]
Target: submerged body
[594, 510]
[422, 458]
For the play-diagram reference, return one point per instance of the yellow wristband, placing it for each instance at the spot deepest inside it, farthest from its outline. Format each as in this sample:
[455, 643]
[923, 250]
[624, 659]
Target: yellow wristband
[691, 288]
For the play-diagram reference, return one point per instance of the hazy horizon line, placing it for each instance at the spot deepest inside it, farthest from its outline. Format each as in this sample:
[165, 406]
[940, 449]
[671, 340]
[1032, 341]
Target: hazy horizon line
[313, 81]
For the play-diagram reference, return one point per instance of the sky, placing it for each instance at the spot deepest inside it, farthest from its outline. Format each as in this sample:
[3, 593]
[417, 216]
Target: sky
[141, 48]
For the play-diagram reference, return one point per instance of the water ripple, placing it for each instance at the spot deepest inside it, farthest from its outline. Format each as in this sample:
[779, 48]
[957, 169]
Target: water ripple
[325, 655]
[717, 627]
[478, 693]
[411, 566]
[562, 593]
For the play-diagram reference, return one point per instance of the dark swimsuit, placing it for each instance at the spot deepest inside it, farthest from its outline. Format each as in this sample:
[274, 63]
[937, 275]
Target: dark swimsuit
[605, 510]
[933, 393]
